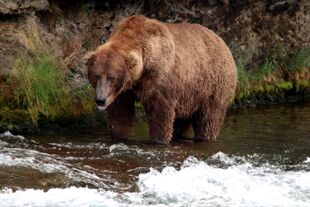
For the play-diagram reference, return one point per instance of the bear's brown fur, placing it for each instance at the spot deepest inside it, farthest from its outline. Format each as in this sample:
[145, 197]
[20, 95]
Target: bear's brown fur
[182, 73]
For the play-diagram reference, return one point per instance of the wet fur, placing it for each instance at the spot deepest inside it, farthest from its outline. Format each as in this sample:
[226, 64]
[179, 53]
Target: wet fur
[187, 73]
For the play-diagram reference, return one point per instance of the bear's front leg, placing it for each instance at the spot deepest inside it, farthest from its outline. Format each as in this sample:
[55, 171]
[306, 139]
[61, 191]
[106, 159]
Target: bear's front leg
[120, 115]
[160, 114]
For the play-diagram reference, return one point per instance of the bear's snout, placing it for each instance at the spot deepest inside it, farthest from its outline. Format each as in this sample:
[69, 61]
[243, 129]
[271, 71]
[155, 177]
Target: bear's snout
[100, 102]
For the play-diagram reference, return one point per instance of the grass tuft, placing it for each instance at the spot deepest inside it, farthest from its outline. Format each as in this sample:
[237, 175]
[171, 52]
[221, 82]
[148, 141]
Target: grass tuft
[267, 67]
[243, 87]
[300, 60]
[243, 78]
[41, 86]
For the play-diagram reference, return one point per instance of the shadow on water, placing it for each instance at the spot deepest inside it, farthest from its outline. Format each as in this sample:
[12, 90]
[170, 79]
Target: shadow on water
[277, 137]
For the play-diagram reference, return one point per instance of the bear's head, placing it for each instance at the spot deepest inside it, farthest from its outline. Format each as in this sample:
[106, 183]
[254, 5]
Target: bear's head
[111, 71]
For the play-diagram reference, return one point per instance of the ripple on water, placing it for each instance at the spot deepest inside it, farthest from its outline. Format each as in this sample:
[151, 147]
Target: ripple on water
[266, 163]
[14, 156]
[121, 149]
[195, 183]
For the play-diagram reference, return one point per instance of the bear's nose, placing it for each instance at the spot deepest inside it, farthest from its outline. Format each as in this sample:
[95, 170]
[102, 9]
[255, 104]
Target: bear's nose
[100, 102]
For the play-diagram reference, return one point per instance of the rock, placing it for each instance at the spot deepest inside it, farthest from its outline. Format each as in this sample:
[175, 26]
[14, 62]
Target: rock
[279, 7]
[22, 6]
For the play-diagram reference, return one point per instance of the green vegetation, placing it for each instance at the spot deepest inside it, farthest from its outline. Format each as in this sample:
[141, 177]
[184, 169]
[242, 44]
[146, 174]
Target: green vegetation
[243, 81]
[42, 91]
[300, 60]
[267, 68]
[274, 76]
[41, 86]
[243, 77]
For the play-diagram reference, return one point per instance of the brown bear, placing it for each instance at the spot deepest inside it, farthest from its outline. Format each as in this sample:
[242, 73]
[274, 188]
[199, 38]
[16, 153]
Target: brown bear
[181, 73]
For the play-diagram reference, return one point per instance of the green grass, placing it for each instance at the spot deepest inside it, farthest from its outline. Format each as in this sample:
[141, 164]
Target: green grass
[41, 87]
[83, 99]
[299, 60]
[267, 67]
[243, 88]
[269, 77]
[242, 75]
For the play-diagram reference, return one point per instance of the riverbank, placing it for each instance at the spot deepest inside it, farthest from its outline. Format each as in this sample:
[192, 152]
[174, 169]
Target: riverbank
[43, 81]
[275, 80]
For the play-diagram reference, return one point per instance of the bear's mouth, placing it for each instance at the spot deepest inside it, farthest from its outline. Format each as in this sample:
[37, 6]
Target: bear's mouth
[101, 104]
[101, 108]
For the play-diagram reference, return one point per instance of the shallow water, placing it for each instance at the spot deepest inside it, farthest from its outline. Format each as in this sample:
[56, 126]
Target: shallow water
[261, 158]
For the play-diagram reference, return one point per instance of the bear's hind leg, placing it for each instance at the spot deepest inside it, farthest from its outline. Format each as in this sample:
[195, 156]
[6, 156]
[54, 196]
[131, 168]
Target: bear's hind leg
[120, 115]
[207, 122]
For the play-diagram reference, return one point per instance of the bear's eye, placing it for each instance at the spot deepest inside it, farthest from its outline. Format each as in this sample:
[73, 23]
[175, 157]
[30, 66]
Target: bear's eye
[111, 79]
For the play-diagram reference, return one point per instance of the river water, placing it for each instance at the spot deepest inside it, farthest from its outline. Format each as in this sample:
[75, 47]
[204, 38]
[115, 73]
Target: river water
[261, 158]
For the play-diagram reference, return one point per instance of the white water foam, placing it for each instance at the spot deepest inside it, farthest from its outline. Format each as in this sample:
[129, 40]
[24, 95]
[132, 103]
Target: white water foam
[196, 183]
[10, 135]
[199, 184]
[307, 161]
[49, 164]
[58, 197]
[122, 148]
[12, 156]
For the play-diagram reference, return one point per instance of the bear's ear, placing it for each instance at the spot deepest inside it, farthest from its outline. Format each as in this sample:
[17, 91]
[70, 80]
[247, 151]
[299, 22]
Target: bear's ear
[135, 64]
[89, 58]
